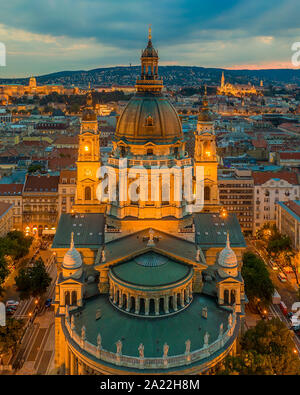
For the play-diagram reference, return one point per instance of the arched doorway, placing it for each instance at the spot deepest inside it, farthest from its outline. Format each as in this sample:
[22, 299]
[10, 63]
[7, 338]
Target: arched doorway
[87, 193]
[206, 193]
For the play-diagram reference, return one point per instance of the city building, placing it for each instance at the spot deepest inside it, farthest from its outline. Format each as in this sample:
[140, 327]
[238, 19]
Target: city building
[270, 188]
[288, 220]
[17, 90]
[66, 191]
[236, 195]
[40, 203]
[237, 90]
[6, 218]
[12, 194]
[146, 286]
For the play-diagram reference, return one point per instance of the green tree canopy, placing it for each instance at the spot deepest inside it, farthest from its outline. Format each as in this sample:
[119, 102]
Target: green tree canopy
[10, 334]
[33, 280]
[267, 349]
[258, 284]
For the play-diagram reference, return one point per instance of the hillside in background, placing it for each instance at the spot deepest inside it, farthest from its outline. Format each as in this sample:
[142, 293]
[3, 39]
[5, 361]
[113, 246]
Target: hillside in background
[172, 76]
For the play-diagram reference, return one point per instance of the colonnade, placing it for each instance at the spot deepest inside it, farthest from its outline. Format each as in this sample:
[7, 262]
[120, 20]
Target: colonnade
[151, 304]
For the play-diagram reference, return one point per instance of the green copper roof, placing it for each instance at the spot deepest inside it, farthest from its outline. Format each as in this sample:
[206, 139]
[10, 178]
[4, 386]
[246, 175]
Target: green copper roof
[151, 269]
[152, 332]
[88, 230]
[211, 230]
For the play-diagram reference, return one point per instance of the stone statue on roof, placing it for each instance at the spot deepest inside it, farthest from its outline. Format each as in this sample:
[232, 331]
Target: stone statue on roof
[99, 340]
[103, 258]
[141, 350]
[230, 320]
[83, 332]
[119, 347]
[206, 339]
[166, 350]
[187, 346]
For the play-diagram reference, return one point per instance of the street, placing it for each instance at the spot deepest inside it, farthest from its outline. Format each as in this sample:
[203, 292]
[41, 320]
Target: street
[35, 352]
[287, 291]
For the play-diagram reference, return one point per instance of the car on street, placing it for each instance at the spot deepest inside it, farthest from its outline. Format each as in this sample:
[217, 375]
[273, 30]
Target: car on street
[48, 302]
[12, 303]
[282, 277]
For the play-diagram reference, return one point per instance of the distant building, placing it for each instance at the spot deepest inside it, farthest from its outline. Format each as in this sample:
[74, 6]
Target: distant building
[6, 218]
[237, 90]
[288, 159]
[236, 195]
[66, 191]
[270, 188]
[40, 203]
[288, 220]
[32, 88]
[12, 194]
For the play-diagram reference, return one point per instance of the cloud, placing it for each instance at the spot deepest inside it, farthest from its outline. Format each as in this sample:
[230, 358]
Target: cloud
[91, 33]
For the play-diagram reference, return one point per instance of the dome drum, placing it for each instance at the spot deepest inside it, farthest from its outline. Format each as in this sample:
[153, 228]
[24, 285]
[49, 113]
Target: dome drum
[151, 300]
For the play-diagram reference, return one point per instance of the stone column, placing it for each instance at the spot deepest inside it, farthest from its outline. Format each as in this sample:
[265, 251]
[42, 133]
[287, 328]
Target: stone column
[115, 294]
[166, 304]
[187, 299]
[120, 298]
[175, 302]
[156, 300]
[182, 298]
[137, 305]
[72, 364]
[81, 370]
[67, 361]
[128, 306]
[147, 302]
[111, 292]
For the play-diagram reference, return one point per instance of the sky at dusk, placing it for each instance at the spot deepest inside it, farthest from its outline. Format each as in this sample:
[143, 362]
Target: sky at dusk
[44, 36]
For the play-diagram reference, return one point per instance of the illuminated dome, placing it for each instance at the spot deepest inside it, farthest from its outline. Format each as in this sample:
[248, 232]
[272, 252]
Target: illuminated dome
[227, 257]
[72, 259]
[149, 117]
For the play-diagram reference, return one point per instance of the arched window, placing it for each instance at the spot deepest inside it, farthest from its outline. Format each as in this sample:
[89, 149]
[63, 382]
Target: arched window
[67, 298]
[232, 296]
[206, 193]
[149, 152]
[74, 298]
[87, 193]
[226, 296]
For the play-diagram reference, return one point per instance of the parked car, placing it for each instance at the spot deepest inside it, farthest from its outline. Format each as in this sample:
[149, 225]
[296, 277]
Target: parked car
[290, 315]
[282, 277]
[48, 302]
[10, 311]
[12, 303]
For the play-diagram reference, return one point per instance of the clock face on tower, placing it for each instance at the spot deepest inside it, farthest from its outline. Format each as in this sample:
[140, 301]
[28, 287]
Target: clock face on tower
[87, 172]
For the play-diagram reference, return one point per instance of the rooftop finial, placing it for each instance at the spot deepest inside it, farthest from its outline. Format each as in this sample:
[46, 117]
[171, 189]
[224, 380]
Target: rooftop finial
[72, 240]
[149, 33]
[228, 240]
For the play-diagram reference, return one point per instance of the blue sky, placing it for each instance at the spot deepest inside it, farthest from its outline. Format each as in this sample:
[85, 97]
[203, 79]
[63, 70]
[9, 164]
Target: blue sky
[43, 36]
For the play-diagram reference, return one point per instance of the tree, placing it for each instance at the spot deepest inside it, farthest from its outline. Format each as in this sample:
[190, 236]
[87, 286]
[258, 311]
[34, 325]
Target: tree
[10, 334]
[33, 280]
[258, 284]
[277, 244]
[266, 349]
[15, 244]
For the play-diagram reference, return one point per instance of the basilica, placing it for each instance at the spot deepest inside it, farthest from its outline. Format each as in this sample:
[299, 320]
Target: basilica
[147, 285]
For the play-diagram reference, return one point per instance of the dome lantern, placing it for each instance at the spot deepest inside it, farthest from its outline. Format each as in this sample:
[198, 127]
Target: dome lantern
[72, 261]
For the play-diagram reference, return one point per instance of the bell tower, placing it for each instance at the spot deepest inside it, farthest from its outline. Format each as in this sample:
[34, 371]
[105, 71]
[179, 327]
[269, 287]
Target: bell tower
[88, 161]
[205, 155]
